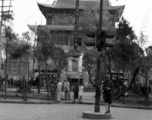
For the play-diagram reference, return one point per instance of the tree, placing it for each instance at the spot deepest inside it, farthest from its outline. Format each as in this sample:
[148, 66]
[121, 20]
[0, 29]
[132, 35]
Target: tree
[89, 18]
[89, 21]
[126, 52]
[15, 48]
[59, 58]
[47, 50]
[89, 62]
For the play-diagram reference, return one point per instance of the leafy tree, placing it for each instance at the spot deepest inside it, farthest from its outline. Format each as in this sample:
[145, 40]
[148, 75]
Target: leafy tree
[59, 58]
[89, 63]
[15, 48]
[47, 50]
[21, 51]
[127, 54]
[89, 18]
[126, 51]
[89, 21]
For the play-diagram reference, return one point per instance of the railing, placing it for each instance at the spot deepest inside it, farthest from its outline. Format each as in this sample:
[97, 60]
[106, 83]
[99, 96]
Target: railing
[31, 92]
[135, 98]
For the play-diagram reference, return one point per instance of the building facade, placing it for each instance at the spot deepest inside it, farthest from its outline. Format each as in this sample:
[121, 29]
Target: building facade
[60, 21]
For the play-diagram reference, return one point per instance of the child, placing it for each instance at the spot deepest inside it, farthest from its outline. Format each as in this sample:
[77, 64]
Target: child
[80, 92]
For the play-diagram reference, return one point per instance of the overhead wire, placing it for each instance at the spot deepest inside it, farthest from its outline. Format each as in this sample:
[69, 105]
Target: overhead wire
[29, 16]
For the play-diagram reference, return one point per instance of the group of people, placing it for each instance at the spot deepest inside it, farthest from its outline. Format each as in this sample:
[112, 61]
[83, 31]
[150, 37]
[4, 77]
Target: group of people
[106, 89]
[65, 86]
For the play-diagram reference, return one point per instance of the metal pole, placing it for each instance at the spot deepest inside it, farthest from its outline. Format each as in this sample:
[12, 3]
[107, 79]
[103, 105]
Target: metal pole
[1, 23]
[98, 77]
[123, 75]
[100, 17]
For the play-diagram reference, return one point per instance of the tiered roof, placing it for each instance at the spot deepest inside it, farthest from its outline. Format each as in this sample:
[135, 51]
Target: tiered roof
[69, 5]
[60, 5]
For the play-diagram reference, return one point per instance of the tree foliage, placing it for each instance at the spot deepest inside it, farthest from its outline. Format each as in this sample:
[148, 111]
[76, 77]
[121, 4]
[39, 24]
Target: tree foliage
[15, 48]
[89, 63]
[47, 49]
[89, 18]
[126, 52]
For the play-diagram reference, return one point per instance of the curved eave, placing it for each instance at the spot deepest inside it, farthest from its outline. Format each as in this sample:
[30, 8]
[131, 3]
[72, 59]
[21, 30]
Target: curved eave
[33, 28]
[48, 8]
[56, 28]
[113, 8]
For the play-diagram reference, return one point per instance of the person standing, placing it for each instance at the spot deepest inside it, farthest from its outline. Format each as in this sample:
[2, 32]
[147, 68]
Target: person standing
[66, 87]
[107, 93]
[80, 92]
[75, 91]
[59, 88]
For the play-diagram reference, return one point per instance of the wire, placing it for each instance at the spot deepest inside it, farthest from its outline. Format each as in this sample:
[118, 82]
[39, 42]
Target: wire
[29, 16]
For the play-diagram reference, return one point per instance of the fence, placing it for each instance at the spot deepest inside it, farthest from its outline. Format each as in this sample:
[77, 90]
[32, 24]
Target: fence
[132, 97]
[23, 90]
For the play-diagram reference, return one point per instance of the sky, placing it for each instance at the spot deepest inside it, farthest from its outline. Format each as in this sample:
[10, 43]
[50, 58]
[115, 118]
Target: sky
[137, 12]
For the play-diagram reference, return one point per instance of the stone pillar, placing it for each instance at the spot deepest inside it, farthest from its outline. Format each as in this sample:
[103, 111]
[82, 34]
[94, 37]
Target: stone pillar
[69, 65]
[80, 64]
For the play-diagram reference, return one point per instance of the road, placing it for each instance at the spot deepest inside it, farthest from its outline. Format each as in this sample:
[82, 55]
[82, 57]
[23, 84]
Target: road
[65, 112]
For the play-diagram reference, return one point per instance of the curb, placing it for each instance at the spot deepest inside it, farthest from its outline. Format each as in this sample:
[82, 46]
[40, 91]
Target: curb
[85, 103]
[113, 105]
[28, 102]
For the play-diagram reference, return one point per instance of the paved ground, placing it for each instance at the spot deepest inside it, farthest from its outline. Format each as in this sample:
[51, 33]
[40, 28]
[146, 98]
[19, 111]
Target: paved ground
[65, 112]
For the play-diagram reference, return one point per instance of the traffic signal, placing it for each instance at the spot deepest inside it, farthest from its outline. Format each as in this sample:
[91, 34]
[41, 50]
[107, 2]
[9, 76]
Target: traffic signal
[100, 40]
[90, 43]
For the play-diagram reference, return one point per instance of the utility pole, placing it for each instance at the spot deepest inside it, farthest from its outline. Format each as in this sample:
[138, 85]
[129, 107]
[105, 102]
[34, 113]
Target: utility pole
[3, 15]
[1, 23]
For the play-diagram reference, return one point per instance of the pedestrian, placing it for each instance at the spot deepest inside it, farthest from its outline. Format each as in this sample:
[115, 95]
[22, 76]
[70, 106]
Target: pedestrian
[80, 92]
[59, 88]
[75, 91]
[107, 93]
[101, 94]
[66, 87]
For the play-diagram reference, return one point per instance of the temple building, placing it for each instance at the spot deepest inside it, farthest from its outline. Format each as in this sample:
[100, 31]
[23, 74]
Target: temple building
[60, 21]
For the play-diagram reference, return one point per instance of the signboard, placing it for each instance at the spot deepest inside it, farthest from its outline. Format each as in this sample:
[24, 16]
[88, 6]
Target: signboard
[17, 68]
[76, 22]
[74, 53]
